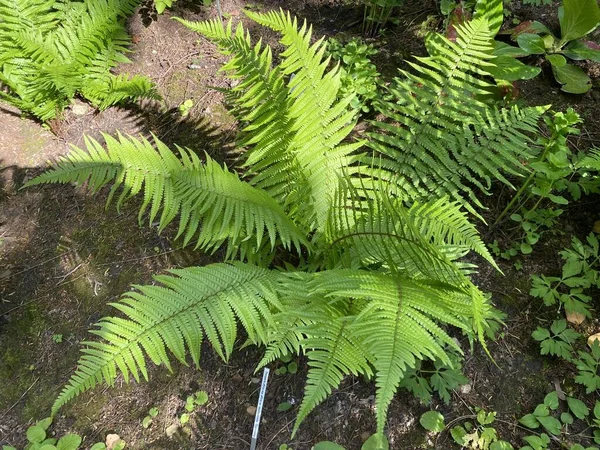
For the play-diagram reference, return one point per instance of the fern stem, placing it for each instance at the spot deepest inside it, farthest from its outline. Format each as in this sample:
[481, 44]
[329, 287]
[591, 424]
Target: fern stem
[515, 198]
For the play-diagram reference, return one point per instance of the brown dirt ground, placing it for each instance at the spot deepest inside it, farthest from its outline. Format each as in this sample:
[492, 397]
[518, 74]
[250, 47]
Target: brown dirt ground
[64, 258]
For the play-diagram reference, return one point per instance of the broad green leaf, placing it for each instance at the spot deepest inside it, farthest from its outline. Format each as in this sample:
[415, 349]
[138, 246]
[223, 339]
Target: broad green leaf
[327, 445]
[511, 69]
[8, 447]
[153, 412]
[578, 408]
[45, 423]
[526, 248]
[557, 60]
[540, 334]
[376, 442]
[533, 27]
[583, 50]
[458, 433]
[501, 445]
[69, 442]
[98, 446]
[44, 447]
[579, 17]
[432, 421]
[530, 421]
[446, 6]
[201, 398]
[551, 400]
[541, 411]
[597, 410]
[551, 424]
[185, 418]
[36, 434]
[531, 43]
[292, 367]
[504, 49]
[566, 418]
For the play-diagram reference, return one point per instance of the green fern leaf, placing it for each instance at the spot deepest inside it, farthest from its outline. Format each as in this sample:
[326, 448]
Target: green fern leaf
[214, 204]
[445, 138]
[193, 303]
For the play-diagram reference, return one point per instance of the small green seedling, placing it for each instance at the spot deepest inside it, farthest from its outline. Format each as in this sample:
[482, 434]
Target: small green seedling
[58, 338]
[288, 366]
[147, 421]
[185, 107]
[192, 401]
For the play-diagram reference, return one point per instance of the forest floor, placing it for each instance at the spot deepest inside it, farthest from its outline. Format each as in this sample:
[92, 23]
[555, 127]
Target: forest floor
[64, 258]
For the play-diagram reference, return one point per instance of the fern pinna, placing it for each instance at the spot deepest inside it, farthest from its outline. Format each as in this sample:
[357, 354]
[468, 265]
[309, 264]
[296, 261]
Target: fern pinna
[52, 50]
[378, 282]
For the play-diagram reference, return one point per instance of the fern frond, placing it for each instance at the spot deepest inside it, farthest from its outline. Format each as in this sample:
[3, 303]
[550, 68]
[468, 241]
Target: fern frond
[592, 160]
[444, 223]
[192, 304]
[442, 137]
[50, 51]
[295, 130]
[214, 204]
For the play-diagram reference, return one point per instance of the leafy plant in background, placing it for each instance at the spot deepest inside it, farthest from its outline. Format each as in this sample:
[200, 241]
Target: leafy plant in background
[147, 420]
[358, 74]
[191, 403]
[51, 51]
[580, 273]
[436, 376]
[372, 443]
[37, 436]
[553, 422]
[577, 18]
[377, 14]
[363, 283]
[444, 136]
[551, 174]
[476, 435]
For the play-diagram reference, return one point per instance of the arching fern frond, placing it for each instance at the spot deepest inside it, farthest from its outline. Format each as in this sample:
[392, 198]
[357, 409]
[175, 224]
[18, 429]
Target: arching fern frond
[192, 304]
[214, 205]
[442, 138]
[296, 128]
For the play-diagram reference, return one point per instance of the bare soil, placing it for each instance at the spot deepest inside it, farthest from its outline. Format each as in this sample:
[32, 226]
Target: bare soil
[64, 258]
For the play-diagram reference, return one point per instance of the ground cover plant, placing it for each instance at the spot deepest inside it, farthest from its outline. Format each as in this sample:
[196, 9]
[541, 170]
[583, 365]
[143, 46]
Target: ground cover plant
[51, 51]
[345, 256]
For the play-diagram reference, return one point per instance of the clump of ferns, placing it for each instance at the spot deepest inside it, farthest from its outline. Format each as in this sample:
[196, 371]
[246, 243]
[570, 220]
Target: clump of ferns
[378, 277]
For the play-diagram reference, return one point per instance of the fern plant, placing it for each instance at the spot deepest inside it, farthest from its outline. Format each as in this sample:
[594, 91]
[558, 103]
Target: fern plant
[376, 283]
[443, 136]
[51, 51]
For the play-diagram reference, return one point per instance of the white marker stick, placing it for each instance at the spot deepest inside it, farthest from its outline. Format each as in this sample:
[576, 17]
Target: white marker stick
[261, 400]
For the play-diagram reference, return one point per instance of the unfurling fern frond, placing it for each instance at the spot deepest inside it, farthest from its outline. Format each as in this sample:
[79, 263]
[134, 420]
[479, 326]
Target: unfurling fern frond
[442, 138]
[296, 128]
[214, 205]
[196, 302]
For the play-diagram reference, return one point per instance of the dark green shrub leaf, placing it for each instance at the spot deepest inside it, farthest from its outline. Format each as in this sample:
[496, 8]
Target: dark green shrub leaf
[511, 69]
